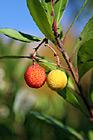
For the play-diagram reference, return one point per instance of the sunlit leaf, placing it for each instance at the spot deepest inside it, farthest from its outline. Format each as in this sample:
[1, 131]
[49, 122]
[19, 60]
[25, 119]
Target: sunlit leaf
[60, 6]
[19, 35]
[70, 83]
[85, 58]
[85, 35]
[60, 31]
[48, 8]
[90, 135]
[40, 17]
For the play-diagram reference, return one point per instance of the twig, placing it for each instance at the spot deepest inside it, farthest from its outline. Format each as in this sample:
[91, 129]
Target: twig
[35, 52]
[31, 57]
[44, 40]
[14, 57]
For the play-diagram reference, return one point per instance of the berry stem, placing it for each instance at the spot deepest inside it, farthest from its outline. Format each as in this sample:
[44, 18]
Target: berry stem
[51, 63]
[55, 54]
[34, 55]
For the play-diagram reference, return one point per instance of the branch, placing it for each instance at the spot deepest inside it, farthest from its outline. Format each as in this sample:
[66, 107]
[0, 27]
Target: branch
[72, 70]
[68, 61]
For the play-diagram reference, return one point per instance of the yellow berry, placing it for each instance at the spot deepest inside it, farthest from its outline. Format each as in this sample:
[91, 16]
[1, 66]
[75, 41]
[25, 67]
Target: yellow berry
[56, 80]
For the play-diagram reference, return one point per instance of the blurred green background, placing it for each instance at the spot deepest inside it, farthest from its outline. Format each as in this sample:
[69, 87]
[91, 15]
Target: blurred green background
[17, 99]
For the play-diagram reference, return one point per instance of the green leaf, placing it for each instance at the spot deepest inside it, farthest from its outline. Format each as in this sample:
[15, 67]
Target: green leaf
[91, 88]
[70, 83]
[19, 36]
[81, 106]
[59, 124]
[59, 8]
[39, 15]
[67, 94]
[90, 135]
[86, 34]
[85, 58]
[60, 31]
[48, 8]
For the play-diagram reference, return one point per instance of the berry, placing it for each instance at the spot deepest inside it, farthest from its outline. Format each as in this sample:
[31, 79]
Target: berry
[35, 76]
[56, 80]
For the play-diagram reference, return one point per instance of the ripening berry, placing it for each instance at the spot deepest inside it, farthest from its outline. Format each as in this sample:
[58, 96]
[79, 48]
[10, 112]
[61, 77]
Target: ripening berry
[56, 80]
[35, 76]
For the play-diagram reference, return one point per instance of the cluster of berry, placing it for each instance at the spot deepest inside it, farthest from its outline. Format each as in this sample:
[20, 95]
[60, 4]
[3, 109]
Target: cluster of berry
[35, 77]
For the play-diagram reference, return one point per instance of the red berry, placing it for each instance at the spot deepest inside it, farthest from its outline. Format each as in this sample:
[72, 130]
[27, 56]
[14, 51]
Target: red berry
[35, 76]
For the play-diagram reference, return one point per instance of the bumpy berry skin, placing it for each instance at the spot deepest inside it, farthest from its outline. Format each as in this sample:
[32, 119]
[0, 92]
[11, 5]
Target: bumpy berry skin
[56, 80]
[35, 76]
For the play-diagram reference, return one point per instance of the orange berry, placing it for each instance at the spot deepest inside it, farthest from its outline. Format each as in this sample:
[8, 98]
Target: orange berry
[35, 76]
